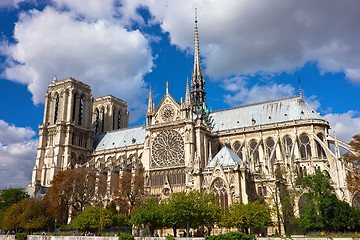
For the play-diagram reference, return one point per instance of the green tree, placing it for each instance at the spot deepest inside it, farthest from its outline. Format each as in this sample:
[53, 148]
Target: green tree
[323, 211]
[252, 215]
[93, 218]
[9, 196]
[28, 214]
[149, 214]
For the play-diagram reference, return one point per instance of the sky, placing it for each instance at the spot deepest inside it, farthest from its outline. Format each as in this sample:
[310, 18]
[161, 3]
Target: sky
[251, 51]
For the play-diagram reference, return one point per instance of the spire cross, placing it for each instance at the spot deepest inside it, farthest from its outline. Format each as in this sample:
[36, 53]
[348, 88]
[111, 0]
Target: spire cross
[301, 95]
[167, 87]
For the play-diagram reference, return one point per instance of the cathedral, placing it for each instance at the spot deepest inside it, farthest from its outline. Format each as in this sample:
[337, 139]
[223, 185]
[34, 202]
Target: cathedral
[234, 152]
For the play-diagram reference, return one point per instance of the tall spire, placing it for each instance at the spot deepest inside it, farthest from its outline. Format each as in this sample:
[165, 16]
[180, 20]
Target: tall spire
[301, 95]
[187, 94]
[197, 79]
[150, 103]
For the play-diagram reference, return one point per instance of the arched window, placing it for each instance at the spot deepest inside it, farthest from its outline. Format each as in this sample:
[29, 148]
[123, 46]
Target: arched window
[118, 120]
[102, 119]
[270, 145]
[287, 142]
[254, 152]
[237, 148]
[97, 121]
[320, 150]
[305, 149]
[72, 161]
[219, 188]
[56, 109]
[81, 106]
[74, 107]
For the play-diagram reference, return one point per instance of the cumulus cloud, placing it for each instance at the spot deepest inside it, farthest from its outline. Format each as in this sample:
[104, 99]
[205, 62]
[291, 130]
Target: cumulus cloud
[111, 59]
[10, 134]
[245, 37]
[345, 124]
[242, 94]
[17, 155]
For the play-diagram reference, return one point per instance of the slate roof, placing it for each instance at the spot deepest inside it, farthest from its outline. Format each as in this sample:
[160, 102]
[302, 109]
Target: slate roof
[280, 110]
[276, 111]
[119, 138]
[226, 158]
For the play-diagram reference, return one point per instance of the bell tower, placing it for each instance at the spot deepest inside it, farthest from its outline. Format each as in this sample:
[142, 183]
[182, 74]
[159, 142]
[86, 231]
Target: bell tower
[65, 138]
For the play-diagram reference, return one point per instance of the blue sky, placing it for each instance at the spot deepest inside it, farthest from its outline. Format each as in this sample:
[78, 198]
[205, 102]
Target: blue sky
[251, 51]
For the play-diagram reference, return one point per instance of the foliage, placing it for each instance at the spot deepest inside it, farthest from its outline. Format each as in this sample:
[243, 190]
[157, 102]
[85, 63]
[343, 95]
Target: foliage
[73, 188]
[353, 176]
[126, 237]
[93, 218]
[191, 208]
[230, 236]
[170, 237]
[28, 214]
[323, 210]
[244, 216]
[130, 190]
[21, 236]
[9, 196]
[149, 213]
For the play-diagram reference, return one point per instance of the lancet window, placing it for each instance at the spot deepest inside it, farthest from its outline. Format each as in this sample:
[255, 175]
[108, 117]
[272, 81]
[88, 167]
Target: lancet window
[305, 148]
[270, 145]
[97, 121]
[74, 107]
[287, 143]
[118, 120]
[219, 189]
[254, 151]
[56, 109]
[81, 106]
[237, 148]
[320, 150]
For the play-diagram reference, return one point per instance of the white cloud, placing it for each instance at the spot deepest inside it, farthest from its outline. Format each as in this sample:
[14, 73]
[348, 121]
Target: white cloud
[345, 125]
[17, 155]
[11, 134]
[111, 59]
[242, 94]
[250, 36]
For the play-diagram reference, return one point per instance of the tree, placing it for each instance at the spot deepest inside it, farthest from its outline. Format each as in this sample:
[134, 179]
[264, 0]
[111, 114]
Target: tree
[323, 211]
[252, 215]
[149, 213]
[28, 214]
[93, 218]
[72, 190]
[130, 190]
[353, 176]
[190, 209]
[9, 196]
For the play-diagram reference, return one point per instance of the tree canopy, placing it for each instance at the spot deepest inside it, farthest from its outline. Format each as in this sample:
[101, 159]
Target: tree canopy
[9, 196]
[73, 189]
[353, 176]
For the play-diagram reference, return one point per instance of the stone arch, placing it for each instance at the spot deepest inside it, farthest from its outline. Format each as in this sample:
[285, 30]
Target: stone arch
[320, 151]
[81, 159]
[287, 142]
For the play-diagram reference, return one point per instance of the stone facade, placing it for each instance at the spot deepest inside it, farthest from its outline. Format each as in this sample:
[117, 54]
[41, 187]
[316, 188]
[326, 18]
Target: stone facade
[234, 152]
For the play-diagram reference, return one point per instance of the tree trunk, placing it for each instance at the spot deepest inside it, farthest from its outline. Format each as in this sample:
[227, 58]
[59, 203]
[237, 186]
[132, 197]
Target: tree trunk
[174, 230]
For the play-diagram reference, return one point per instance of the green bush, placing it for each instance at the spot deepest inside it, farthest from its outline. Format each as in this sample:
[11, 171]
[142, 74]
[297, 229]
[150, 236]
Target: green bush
[169, 237]
[231, 236]
[21, 236]
[126, 237]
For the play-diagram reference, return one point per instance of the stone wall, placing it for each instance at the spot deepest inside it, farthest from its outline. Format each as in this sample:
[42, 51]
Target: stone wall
[7, 237]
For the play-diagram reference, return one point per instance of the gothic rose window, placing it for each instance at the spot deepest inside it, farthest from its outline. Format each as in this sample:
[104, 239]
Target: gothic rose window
[168, 149]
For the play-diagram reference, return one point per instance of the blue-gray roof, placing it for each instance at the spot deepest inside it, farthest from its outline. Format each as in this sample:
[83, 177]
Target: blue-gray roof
[120, 138]
[280, 110]
[226, 158]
